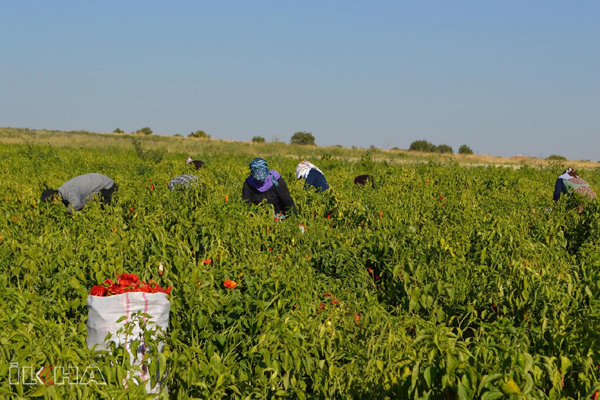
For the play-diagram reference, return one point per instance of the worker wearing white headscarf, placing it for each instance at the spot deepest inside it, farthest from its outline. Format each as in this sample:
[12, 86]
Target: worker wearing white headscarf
[312, 175]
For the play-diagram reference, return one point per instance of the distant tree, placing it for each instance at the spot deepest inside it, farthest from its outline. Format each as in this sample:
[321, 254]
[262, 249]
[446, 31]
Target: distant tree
[258, 139]
[556, 157]
[275, 139]
[118, 130]
[423, 145]
[303, 138]
[445, 149]
[464, 149]
[177, 135]
[199, 134]
[145, 131]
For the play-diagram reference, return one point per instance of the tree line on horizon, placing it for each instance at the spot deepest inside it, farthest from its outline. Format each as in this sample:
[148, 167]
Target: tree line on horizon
[304, 138]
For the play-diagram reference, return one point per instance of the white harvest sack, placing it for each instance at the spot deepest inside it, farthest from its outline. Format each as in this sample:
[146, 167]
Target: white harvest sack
[104, 312]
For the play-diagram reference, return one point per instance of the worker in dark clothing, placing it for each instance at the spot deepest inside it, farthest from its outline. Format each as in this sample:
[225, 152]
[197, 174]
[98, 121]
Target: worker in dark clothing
[265, 184]
[364, 180]
[75, 193]
[313, 176]
[196, 163]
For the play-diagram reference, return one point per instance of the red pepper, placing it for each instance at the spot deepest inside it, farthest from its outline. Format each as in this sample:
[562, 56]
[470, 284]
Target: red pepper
[98, 291]
[127, 283]
[230, 284]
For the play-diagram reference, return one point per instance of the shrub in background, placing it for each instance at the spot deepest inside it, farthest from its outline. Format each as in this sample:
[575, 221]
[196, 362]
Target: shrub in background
[464, 149]
[303, 138]
[144, 131]
[423, 145]
[445, 149]
[199, 135]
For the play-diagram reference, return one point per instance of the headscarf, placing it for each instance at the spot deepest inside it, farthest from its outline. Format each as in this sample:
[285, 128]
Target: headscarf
[47, 195]
[261, 177]
[568, 174]
[303, 169]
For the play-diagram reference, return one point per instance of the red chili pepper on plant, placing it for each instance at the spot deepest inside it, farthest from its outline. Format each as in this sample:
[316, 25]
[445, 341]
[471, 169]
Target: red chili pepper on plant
[230, 284]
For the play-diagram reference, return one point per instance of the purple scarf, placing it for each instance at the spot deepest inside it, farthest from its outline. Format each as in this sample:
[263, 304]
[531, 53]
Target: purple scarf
[263, 186]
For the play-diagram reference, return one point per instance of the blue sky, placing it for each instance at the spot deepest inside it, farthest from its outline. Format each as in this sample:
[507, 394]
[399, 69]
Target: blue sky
[506, 78]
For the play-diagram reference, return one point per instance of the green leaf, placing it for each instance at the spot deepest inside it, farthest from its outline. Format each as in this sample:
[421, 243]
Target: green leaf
[39, 392]
[74, 283]
[488, 380]
[510, 387]
[494, 395]
[565, 365]
[427, 376]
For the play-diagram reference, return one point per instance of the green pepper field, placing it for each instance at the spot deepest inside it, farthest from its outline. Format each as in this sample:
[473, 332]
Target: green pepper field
[446, 281]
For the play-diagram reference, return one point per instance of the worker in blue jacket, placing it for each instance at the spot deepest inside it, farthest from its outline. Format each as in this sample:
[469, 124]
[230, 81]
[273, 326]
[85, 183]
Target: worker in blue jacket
[313, 176]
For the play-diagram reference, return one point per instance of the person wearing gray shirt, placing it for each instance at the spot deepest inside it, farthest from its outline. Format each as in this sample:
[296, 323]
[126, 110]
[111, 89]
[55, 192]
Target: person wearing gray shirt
[76, 192]
[182, 182]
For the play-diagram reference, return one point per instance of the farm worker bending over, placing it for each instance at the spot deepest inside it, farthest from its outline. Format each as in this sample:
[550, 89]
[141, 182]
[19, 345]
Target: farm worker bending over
[265, 184]
[312, 175]
[363, 180]
[570, 182]
[76, 192]
[197, 163]
[182, 182]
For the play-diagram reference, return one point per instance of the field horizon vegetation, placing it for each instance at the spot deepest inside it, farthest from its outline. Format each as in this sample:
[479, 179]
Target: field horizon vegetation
[276, 146]
[457, 277]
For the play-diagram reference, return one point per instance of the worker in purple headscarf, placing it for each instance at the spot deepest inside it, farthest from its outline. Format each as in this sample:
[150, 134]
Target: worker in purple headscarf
[266, 184]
